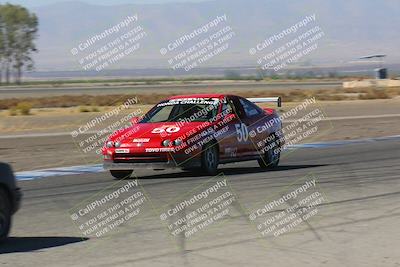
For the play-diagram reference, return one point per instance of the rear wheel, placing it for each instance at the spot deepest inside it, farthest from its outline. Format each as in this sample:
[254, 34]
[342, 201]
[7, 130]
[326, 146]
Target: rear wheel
[121, 174]
[271, 157]
[5, 215]
[210, 160]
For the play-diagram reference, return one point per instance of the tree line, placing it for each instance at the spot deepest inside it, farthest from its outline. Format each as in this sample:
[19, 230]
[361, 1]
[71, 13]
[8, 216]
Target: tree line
[18, 31]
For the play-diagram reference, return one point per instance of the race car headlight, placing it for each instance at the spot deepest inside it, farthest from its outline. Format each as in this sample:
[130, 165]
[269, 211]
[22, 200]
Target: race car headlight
[117, 144]
[110, 144]
[166, 142]
[178, 142]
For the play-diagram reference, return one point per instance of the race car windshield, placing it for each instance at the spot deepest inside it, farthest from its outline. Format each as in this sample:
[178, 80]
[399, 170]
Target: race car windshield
[176, 110]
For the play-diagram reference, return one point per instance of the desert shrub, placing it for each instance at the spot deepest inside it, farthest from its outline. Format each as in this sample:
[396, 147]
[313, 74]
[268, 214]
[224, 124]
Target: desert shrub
[24, 108]
[13, 111]
[83, 109]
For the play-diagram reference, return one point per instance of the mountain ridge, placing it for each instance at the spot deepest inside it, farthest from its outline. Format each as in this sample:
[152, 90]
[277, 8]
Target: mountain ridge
[349, 30]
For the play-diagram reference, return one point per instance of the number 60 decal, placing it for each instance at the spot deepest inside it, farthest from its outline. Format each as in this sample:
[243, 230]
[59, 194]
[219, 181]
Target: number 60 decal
[169, 129]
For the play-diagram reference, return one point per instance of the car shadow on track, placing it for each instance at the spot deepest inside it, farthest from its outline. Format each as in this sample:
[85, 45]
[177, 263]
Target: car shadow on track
[230, 171]
[28, 244]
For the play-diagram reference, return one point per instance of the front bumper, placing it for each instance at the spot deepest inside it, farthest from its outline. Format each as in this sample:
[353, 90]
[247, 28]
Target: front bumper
[110, 165]
[130, 158]
[168, 163]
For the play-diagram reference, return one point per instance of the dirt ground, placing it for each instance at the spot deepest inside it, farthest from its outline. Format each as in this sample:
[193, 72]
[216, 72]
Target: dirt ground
[350, 119]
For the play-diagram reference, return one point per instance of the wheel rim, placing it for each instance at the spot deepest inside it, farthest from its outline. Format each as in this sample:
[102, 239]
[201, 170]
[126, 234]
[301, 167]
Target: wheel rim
[274, 156]
[210, 158]
[271, 157]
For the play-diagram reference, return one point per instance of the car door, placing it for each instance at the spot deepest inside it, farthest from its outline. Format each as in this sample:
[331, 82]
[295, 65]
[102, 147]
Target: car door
[230, 148]
[252, 115]
[240, 127]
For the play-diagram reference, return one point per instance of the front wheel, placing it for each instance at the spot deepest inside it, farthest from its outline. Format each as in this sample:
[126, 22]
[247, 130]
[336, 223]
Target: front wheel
[210, 160]
[5, 215]
[270, 159]
[121, 174]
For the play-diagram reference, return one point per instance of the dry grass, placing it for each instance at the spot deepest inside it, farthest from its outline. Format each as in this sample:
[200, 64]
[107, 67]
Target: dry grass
[375, 94]
[292, 95]
[328, 94]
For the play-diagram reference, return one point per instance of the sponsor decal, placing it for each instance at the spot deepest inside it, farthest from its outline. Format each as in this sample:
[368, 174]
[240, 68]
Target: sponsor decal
[231, 151]
[122, 150]
[158, 149]
[183, 101]
[141, 140]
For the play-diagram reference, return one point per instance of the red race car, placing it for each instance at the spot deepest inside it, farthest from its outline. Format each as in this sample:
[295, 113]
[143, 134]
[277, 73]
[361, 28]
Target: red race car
[197, 132]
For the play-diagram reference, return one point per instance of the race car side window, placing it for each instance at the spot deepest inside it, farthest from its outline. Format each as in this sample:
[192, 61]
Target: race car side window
[236, 106]
[225, 106]
[250, 109]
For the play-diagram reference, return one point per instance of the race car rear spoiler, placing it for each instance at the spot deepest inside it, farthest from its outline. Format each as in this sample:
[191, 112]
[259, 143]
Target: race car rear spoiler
[276, 100]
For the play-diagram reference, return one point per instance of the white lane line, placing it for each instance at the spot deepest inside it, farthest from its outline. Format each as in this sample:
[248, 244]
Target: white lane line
[76, 170]
[344, 142]
[363, 117]
[353, 117]
[61, 171]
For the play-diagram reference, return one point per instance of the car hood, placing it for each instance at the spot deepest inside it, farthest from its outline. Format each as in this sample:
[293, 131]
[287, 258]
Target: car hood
[154, 133]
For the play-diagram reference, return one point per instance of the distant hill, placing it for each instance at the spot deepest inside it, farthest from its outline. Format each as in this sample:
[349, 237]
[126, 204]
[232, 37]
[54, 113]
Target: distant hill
[352, 28]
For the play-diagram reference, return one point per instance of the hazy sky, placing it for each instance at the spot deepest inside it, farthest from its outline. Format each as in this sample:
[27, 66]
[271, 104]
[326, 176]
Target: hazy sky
[30, 3]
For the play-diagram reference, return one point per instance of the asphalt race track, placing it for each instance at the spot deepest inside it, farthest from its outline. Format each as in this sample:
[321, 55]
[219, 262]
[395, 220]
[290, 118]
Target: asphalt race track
[356, 225]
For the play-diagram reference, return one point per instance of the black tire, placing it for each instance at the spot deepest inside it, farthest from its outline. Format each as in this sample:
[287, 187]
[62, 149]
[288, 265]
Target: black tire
[270, 159]
[5, 215]
[210, 160]
[121, 174]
